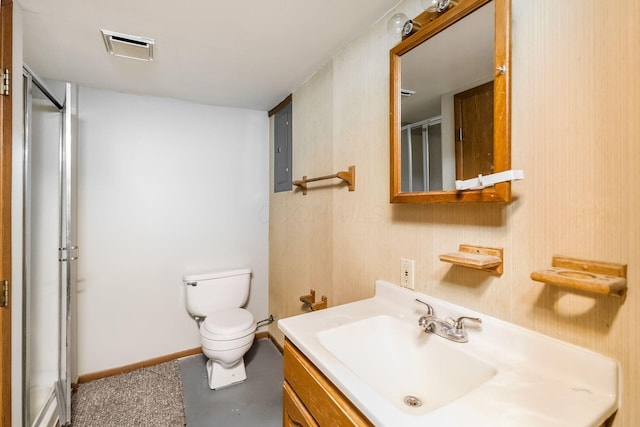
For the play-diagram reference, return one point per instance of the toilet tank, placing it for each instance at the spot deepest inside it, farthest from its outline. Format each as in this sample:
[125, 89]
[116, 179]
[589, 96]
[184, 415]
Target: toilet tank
[216, 290]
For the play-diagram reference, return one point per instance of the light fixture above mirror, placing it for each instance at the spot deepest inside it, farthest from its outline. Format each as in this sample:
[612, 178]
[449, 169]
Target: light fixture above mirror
[396, 23]
[438, 6]
[456, 61]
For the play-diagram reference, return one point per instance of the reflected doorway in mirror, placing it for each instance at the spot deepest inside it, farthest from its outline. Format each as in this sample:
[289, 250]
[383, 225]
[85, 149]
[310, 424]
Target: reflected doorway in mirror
[474, 131]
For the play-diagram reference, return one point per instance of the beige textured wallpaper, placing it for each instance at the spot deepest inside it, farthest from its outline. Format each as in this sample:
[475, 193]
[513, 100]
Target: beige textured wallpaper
[575, 133]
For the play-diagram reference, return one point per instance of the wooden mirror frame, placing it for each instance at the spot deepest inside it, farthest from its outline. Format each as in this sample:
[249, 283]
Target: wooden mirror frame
[431, 24]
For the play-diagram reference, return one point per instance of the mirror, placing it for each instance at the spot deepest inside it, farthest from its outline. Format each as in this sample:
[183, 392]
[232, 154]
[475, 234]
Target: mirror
[450, 106]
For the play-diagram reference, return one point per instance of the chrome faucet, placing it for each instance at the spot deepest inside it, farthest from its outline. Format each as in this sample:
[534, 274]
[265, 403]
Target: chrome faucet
[449, 328]
[429, 307]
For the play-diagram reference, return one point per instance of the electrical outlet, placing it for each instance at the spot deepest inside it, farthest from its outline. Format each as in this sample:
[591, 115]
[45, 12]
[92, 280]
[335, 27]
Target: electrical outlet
[406, 273]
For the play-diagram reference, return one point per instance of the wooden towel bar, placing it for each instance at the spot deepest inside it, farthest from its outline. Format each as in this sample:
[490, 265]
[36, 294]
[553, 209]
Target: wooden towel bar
[349, 177]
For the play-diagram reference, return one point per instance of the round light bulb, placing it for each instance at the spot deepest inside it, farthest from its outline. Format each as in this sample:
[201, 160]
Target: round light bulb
[430, 5]
[436, 5]
[395, 24]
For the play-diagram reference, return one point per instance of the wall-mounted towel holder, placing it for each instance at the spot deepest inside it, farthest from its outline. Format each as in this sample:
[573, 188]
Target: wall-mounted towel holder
[598, 277]
[347, 176]
[477, 257]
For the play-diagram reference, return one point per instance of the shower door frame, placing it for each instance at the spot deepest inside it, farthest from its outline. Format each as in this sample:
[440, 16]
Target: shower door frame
[67, 252]
[407, 144]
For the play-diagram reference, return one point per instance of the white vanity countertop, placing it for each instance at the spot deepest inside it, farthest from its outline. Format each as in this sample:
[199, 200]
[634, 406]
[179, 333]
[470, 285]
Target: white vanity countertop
[540, 381]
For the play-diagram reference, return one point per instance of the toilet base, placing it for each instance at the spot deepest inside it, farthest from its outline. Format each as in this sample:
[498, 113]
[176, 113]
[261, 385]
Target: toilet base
[220, 376]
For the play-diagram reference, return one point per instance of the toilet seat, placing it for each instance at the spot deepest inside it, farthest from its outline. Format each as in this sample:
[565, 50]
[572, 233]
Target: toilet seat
[229, 324]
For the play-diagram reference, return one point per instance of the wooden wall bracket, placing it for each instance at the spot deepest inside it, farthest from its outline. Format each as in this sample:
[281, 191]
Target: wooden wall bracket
[310, 300]
[477, 257]
[319, 305]
[598, 277]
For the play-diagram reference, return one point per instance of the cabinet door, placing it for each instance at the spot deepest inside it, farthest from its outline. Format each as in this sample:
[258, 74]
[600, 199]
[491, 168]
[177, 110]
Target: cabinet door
[294, 412]
[319, 396]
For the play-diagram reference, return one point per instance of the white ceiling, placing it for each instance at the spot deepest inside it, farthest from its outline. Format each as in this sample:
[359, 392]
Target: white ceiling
[248, 54]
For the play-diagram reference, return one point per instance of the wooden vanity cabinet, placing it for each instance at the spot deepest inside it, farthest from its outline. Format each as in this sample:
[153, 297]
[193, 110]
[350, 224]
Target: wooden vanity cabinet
[310, 399]
[293, 410]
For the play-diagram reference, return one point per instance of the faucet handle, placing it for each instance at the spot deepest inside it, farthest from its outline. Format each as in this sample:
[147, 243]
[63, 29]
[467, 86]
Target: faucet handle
[423, 322]
[430, 311]
[459, 323]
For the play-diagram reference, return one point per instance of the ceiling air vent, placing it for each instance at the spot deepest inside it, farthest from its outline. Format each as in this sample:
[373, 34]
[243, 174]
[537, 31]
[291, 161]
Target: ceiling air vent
[126, 46]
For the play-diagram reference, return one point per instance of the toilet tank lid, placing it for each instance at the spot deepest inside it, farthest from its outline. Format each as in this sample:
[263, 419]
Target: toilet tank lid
[216, 274]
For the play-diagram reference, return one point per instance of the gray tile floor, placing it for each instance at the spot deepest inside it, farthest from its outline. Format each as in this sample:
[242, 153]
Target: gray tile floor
[256, 402]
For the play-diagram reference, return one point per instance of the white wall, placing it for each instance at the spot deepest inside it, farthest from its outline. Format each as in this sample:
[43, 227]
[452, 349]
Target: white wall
[165, 187]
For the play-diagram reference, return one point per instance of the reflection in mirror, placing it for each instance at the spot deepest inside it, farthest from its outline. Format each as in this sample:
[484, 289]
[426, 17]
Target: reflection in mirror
[438, 80]
[444, 104]
[421, 153]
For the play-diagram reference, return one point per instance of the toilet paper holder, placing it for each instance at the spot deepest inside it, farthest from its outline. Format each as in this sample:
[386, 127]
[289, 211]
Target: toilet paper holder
[310, 301]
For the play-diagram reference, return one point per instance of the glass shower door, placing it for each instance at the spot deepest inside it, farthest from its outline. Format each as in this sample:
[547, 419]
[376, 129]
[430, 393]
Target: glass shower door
[421, 156]
[47, 270]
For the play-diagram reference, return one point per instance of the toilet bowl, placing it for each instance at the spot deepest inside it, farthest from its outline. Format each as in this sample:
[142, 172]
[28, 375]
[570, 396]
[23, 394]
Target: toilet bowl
[226, 336]
[227, 331]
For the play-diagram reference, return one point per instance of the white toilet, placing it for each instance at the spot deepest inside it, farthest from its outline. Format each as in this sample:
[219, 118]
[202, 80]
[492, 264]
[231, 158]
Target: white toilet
[227, 331]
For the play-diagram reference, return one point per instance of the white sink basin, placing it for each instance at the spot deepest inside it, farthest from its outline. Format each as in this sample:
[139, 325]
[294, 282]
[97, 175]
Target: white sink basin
[376, 354]
[415, 371]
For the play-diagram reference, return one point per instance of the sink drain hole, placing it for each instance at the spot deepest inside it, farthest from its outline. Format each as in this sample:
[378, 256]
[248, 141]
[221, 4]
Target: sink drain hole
[412, 401]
